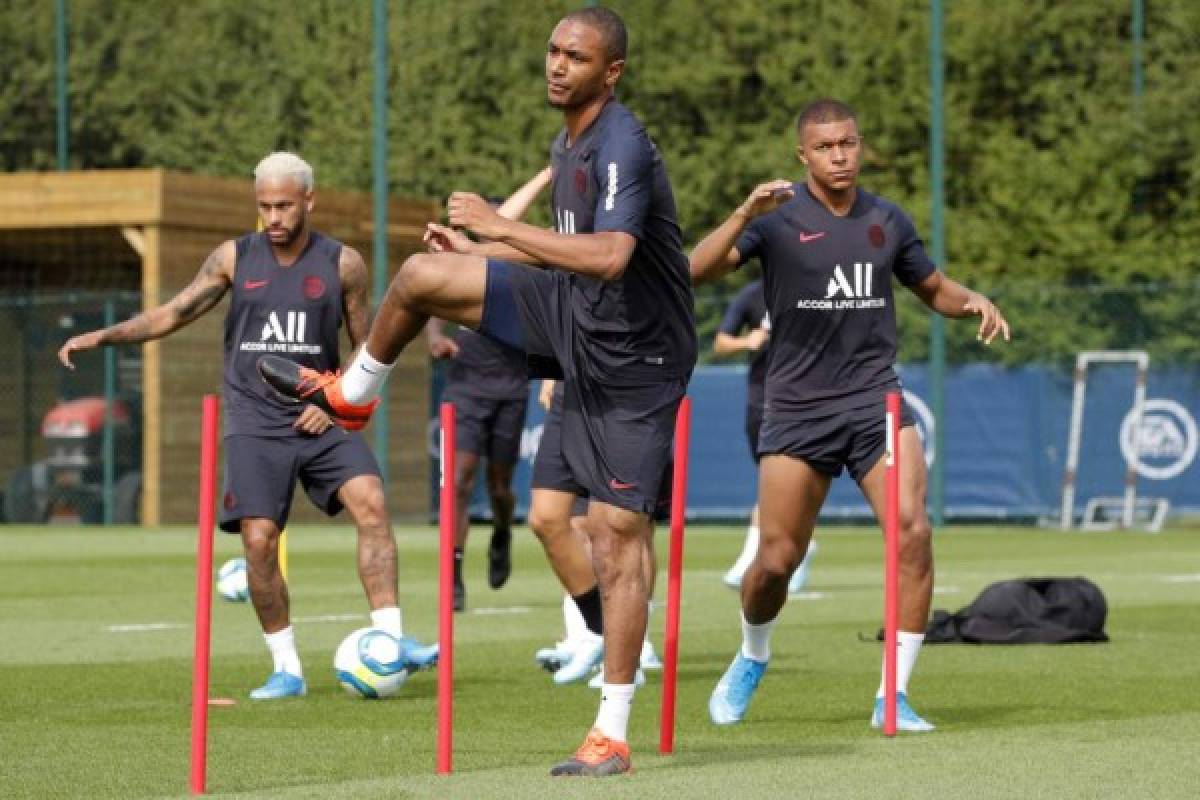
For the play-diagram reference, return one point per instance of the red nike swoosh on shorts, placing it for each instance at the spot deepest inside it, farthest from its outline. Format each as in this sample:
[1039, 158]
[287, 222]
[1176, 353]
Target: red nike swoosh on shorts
[255, 284]
[808, 237]
[616, 485]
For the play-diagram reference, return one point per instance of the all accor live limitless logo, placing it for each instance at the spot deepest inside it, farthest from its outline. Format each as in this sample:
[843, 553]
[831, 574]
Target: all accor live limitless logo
[842, 293]
[284, 335]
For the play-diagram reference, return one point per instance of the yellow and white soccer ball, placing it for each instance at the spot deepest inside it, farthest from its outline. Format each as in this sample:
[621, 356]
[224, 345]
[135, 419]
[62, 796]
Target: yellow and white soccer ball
[370, 663]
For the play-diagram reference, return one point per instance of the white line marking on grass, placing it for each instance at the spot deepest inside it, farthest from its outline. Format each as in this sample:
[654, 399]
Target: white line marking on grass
[1181, 578]
[946, 590]
[331, 618]
[149, 626]
[174, 626]
[502, 610]
[808, 596]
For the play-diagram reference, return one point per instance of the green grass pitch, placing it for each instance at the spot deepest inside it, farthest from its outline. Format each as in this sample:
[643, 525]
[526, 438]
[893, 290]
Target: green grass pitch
[96, 655]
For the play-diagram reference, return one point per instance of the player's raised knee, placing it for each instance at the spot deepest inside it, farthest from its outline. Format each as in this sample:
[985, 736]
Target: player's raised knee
[418, 279]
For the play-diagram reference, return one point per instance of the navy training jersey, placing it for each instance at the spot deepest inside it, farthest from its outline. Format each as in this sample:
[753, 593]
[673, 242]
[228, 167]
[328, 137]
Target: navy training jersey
[747, 312]
[828, 289]
[640, 327]
[488, 368]
[292, 311]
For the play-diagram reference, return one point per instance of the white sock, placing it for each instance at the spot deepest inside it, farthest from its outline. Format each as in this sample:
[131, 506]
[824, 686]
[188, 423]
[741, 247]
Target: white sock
[388, 619]
[756, 640]
[749, 549]
[908, 645]
[573, 622]
[616, 700]
[363, 379]
[282, 645]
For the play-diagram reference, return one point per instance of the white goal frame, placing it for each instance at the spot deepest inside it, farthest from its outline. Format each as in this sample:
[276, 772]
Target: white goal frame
[1141, 360]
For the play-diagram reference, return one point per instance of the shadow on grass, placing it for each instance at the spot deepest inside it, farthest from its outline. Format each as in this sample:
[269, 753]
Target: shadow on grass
[724, 752]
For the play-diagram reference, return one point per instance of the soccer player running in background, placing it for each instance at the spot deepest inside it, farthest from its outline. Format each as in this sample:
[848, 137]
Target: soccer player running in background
[829, 250]
[296, 287]
[488, 384]
[746, 327]
[613, 315]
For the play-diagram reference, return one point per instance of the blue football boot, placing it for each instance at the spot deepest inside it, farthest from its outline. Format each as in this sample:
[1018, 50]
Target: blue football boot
[906, 718]
[419, 656]
[729, 700]
[280, 684]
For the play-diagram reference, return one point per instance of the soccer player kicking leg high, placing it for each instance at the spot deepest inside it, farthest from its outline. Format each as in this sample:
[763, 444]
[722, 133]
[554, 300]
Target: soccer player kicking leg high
[613, 314]
[488, 384]
[829, 251]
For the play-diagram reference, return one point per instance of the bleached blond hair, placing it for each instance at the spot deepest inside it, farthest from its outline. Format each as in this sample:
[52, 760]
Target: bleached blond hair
[285, 165]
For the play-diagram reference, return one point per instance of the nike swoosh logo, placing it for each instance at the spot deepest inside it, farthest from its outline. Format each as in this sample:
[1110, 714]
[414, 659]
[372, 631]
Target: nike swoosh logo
[255, 284]
[810, 237]
[616, 485]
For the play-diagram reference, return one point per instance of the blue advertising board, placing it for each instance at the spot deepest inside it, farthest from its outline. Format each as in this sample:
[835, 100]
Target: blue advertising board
[1005, 441]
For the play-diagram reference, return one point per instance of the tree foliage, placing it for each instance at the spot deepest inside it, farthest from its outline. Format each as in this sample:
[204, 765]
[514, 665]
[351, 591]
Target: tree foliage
[1056, 174]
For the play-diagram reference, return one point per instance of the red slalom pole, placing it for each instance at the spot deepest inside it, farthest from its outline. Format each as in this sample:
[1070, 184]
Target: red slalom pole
[679, 473]
[204, 578]
[446, 520]
[891, 537]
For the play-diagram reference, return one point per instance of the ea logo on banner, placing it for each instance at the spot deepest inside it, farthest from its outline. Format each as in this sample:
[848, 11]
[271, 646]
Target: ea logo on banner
[1165, 444]
[925, 424]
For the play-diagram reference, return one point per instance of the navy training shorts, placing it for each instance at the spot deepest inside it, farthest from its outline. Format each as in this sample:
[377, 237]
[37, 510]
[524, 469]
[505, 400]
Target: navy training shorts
[489, 427]
[615, 440]
[261, 473]
[852, 438]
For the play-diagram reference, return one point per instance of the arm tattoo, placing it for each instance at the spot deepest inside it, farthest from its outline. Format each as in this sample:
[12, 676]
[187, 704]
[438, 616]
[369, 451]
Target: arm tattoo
[354, 297]
[196, 304]
[133, 330]
[204, 292]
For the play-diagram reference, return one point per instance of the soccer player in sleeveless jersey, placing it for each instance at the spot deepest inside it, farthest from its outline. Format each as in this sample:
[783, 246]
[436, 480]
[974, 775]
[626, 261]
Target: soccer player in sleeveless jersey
[829, 250]
[292, 289]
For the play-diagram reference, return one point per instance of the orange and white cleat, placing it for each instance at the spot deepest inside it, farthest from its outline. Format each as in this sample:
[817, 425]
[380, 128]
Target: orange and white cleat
[596, 757]
[322, 389]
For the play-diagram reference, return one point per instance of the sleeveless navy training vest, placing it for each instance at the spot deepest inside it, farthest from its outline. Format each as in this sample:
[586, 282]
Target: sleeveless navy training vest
[294, 312]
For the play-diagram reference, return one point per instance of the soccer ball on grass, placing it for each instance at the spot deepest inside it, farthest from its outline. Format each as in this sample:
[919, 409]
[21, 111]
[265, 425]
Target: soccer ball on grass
[232, 582]
[370, 663]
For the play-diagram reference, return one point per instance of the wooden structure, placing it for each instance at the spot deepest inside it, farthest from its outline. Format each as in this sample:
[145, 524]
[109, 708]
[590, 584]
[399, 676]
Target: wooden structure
[159, 226]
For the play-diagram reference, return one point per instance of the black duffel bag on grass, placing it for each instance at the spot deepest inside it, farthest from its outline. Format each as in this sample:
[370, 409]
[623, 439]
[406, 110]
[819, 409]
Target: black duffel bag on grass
[1027, 611]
